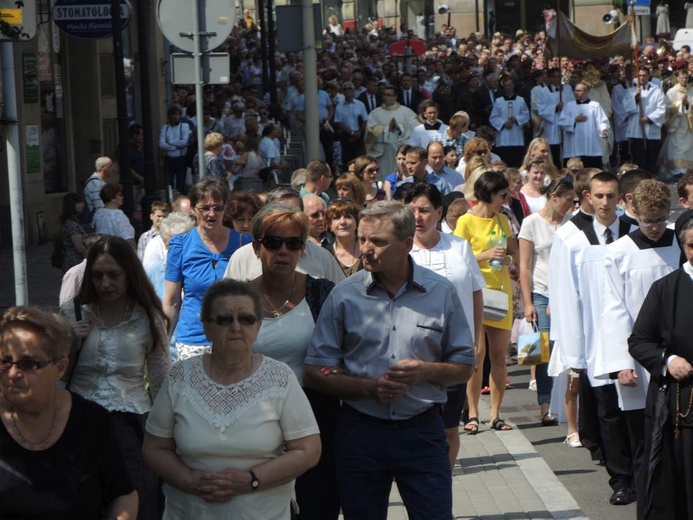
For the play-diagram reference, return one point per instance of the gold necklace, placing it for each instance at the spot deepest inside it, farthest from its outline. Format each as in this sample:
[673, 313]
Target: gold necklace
[276, 312]
[39, 444]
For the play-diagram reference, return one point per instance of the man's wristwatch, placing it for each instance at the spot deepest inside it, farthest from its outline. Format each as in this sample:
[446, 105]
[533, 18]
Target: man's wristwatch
[254, 482]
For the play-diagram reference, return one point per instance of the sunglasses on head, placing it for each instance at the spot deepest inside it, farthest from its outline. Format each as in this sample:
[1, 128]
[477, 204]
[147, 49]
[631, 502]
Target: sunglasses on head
[26, 364]
[274, 243]
[245, 320]
[482, 151]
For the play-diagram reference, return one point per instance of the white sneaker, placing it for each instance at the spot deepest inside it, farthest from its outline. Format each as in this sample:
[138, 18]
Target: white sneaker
[533, 385]
[573, 440]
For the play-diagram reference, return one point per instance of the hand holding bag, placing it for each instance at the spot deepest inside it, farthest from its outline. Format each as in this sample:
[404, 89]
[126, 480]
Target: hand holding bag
[532, 345]
[496, 305]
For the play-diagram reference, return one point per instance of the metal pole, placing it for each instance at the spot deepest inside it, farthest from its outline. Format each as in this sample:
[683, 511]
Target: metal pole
[149, 172]
[122, 109]
[310, 69]
[14, 170]
[476, 14]
[275, 109]
[263, 45]
[197, 55]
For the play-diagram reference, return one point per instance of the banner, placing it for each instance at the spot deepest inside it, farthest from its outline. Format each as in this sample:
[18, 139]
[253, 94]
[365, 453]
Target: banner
[579, 45]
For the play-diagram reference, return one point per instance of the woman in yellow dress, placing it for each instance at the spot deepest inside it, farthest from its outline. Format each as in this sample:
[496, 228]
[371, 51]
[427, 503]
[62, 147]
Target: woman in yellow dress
[477, 226]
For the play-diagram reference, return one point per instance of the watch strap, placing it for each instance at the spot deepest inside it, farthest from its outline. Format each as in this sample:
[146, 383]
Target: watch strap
[254, 482]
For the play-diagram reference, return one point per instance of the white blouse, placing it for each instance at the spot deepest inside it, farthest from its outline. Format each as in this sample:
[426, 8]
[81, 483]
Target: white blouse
[113, 222]
[112, 364]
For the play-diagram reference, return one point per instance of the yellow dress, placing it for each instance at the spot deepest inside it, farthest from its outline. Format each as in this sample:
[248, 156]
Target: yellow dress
[477, 230]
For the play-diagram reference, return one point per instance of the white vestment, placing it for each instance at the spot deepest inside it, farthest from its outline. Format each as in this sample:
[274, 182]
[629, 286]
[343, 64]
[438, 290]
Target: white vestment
[585, 138]
[546, 108]
[675, 156]
[631, 266]
[503, 108]
[654, 108]
[422, 137]
[383, 144]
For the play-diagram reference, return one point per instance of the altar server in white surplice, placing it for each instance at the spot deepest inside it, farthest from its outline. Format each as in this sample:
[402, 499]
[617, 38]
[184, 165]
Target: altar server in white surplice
[550, 103]
[585, 127]
[676, 151]
[579, 306]
[632, 264]
[654, 112]
[508, 116]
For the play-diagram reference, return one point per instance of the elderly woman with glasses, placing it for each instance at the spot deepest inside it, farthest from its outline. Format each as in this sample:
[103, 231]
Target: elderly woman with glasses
[536, 239]
[195, 260]
[291, 304]
[366, 169]
[66, 459]
[484, 221]
[231, 429]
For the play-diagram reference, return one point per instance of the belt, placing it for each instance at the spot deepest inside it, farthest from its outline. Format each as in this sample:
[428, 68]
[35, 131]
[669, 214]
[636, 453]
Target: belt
[433, 413]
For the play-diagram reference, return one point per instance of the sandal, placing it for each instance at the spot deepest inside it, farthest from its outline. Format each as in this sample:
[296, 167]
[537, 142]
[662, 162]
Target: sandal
[500, 425]
[571, 441]
[486, 390]
[549, 420]
[472, 426]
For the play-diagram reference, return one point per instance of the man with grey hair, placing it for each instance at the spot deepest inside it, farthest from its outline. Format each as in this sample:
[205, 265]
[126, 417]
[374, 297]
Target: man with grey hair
[388, 341]
[92, 188]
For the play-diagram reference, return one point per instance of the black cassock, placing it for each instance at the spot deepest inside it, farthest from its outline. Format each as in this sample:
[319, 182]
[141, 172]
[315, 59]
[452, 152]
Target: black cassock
[664, 327]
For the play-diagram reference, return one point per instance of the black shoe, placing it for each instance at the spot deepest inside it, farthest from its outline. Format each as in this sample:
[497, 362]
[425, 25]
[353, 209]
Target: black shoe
[622, 497]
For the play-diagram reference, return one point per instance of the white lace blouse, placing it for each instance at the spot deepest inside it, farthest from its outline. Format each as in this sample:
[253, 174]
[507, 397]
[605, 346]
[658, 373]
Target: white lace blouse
[112, 365]
[216, 427]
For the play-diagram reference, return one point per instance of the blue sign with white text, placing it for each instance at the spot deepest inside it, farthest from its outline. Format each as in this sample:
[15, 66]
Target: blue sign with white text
[89, 19]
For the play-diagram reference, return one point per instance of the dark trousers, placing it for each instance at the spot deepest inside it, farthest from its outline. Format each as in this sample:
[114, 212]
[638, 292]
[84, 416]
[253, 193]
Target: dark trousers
[556, 154]
[511, 155]
[371, 455]
[351, 149]
[635, 421]
[615, 441]
[592, 161]
[587, 418]
[316, 489]
[327, 142]
[175, 169]
[646, 158]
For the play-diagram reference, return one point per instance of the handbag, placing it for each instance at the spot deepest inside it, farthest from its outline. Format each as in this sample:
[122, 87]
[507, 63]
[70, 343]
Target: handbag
[496, 304]
[532, 345]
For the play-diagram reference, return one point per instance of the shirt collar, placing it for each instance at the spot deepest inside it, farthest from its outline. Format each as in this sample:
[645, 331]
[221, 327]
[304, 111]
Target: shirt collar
[688, 269]
[415, 281]
[600, 228]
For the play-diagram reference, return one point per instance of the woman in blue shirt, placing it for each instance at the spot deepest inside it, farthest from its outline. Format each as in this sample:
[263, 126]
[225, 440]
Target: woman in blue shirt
[196, 260]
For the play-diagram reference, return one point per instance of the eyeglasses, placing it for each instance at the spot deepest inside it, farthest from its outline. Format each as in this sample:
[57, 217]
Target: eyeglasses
[482, 151]
[565, 180]
[274, 243]
[244, 320]
[218, 208]
[372, 170]
[26, 364]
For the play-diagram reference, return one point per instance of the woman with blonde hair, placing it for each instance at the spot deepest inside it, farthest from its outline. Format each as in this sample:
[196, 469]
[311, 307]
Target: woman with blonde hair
[538, 148]
[534, 184]
[475, 147]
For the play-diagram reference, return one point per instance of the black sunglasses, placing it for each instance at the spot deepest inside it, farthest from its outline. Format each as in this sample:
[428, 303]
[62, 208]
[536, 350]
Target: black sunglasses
[274, 243]
[26, 364]
[245, 320]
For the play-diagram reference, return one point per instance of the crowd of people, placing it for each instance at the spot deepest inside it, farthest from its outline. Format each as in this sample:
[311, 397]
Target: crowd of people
[292, 352]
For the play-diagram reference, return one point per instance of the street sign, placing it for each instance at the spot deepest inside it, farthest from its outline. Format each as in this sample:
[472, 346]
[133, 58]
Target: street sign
[18, 21]
[216, 68]
[88, 19]
[640, 7]
[217, 18]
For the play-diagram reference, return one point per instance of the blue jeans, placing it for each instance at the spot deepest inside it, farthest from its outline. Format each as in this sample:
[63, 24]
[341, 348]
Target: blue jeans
[544, 381]
[370, 456]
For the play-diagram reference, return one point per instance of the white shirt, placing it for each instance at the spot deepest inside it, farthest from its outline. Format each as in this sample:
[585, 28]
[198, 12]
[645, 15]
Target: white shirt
[540, 233]
[600, 230]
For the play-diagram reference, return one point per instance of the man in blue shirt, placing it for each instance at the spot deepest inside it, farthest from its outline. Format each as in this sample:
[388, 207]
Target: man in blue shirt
[388, 342]
[416, 162]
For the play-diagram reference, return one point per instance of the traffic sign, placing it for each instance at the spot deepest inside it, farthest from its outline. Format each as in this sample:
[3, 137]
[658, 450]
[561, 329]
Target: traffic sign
[640, 7]
[88, 19]
[216, 68]
[217, 18]
[19, 21]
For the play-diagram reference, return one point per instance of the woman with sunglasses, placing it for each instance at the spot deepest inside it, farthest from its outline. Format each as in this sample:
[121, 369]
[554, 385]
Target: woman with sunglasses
[291, 304]
[67, 460]
[366, 169]
[475, 147]
[392, 180]
[536, 238]
[477, 227]
[231, 429]
[195, 260]
[342, 220]
[121, 341]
